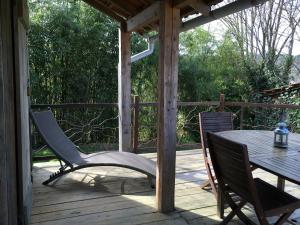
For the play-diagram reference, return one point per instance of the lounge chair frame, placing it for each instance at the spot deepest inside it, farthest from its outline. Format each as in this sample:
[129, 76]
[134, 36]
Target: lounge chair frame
[72, 159]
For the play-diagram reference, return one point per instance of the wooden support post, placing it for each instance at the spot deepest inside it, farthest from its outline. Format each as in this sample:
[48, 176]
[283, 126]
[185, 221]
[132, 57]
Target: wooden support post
[169, 22]
[242, 114]
[222, 103]
[15, 174]
[8, 161]
[124, 90]
[136, 111]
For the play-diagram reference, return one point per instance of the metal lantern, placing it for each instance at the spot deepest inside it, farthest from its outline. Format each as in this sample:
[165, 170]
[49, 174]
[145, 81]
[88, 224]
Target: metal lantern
[281, 135]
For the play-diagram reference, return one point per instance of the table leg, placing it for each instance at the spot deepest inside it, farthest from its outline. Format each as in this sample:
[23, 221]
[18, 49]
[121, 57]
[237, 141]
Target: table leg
[280, 183]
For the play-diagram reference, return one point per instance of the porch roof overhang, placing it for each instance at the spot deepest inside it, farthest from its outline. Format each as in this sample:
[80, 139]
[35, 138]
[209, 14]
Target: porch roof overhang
[142, 15]
[168, 18]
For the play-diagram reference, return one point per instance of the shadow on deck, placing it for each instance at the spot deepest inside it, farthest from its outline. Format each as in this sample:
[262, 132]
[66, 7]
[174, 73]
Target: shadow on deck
[112, 196]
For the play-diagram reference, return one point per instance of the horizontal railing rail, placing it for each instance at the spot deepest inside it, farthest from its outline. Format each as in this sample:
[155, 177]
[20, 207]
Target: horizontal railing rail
[248, 115]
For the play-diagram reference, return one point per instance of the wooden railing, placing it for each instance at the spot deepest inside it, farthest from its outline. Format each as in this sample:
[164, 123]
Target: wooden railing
[239, 108]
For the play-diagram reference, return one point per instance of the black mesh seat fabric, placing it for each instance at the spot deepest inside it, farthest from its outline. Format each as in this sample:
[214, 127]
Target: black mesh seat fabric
[69, 153]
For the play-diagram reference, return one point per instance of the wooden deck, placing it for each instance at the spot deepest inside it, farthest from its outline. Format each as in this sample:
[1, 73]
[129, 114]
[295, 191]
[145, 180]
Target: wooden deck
[112, 196]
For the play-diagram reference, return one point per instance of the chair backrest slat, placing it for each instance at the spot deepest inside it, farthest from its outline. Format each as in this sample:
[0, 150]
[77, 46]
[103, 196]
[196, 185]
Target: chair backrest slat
[55, 138]
[214, 122]
[231, 165]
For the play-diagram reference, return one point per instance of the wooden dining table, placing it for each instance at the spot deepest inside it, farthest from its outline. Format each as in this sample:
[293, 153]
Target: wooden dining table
[282, 162]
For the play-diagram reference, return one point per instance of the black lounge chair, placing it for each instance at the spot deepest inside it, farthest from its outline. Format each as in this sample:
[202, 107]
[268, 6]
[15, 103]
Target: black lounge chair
[72, 159]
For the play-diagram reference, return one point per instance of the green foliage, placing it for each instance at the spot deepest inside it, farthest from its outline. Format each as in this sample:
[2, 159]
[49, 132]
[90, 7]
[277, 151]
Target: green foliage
[209, 67]
[73, 53]
[145, 71]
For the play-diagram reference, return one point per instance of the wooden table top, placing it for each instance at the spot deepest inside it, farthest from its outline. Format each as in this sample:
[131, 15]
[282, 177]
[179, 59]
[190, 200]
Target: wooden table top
[283, 162]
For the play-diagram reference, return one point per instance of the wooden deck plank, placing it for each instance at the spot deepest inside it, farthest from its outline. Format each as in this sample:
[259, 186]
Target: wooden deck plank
[119, 196]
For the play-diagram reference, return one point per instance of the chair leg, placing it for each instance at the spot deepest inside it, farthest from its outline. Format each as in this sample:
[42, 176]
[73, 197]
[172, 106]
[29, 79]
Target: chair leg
[152, 181]
[245, 219]
[239, 213]
[235, 210]
[252, 168]
[220, 204]
[263, 221]
[283, 218]
[205, 185]
[56, 175]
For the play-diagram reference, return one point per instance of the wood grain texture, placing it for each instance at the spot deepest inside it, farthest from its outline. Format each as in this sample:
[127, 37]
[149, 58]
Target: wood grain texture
[168, 80]
[213, 122]
[198, 5]
[147, 16]
[124, 90]
[233, 171]
[22, 113]
[136, 123]
[113, 196]
[284, 163]
[8, 183]
[101, 6]
[222, 103]
[134, 10]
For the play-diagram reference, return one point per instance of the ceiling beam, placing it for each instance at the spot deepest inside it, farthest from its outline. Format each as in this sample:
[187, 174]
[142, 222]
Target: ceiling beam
[198, 5]
[219, 13]
[143, 18]
[103, 8]
[216, 14]
[128, 7]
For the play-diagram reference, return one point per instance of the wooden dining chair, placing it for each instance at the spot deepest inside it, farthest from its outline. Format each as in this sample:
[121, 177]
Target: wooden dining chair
[213, 122]
[231, 164]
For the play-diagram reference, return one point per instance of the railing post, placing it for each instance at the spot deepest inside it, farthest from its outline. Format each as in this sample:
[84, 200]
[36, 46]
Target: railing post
[242, 117]
[222, 103]
[136, 110]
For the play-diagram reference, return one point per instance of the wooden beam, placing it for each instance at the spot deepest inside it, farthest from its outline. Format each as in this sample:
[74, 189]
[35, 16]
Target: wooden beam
[198, 5]
[169, 22]
[128, 7]
[219, 13]
[23, 13]
[103, 8]
[124, 90]
[144, 18]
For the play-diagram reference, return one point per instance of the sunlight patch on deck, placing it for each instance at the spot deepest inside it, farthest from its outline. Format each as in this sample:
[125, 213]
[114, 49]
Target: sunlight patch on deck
[111, 196]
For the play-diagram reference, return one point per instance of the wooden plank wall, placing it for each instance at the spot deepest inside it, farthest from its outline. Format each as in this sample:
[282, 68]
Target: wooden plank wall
[15, 173]
[8, 182]
[22, 112]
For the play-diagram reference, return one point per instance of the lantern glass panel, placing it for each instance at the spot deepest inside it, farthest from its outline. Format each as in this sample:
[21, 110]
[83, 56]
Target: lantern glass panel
[278, 138]
[284, 140]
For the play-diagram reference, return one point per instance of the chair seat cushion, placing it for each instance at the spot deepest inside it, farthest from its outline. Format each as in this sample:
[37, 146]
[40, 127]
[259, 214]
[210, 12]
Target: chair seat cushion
[275, 201]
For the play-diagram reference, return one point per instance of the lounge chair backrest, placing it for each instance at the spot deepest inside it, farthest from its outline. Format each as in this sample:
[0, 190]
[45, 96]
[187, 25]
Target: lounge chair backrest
[232, 168]
[55, 138]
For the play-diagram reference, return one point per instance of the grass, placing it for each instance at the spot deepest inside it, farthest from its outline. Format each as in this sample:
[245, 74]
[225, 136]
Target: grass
[46, 154]
[86, 148]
